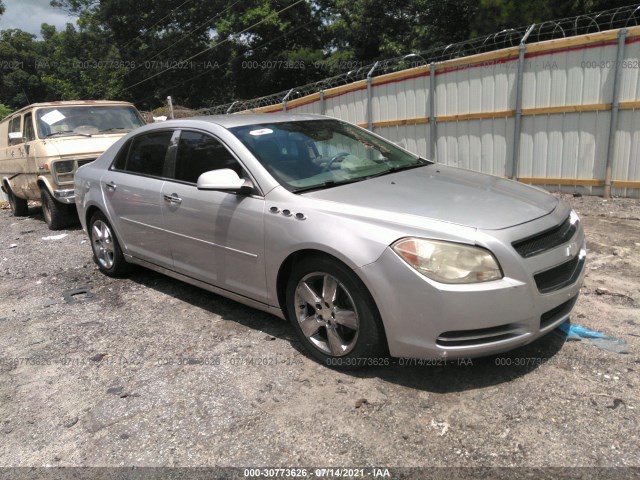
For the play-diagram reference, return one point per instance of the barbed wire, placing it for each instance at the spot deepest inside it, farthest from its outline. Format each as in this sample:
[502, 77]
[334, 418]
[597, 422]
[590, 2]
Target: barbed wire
[567, 27]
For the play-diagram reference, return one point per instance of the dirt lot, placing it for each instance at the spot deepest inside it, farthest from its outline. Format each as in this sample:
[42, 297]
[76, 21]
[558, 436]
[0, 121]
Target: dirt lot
[146, 371]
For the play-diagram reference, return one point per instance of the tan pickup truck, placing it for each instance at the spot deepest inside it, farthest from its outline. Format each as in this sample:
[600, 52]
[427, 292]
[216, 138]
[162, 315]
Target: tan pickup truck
[42, 145]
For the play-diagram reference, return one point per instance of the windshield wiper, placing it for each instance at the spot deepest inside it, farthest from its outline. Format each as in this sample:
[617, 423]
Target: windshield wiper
[335, 183]
[67, 132]
[327, 184]
[115, 129]
[399, 168]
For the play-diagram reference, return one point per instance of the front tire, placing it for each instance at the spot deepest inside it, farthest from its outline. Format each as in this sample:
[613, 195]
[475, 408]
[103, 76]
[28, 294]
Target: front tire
[106, 250]
[57, 215]
[334, 314]
[19, 206]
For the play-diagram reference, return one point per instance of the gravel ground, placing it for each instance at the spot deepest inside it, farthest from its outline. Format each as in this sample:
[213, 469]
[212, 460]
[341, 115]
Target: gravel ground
[147, 371]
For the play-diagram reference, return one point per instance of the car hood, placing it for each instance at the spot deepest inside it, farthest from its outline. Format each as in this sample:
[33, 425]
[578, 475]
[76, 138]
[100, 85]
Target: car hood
[447, 194]
[79, 145]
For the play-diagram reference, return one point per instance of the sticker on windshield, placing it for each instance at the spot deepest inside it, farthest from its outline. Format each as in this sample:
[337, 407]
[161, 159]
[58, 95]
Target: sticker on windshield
[262, 131]
[52, 117]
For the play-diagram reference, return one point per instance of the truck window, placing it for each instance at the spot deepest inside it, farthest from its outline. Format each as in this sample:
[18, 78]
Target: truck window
[15, 124]
[83, 120]
[29, 132]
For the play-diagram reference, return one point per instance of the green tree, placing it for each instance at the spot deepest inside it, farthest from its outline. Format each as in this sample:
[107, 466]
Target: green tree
[80, 64]
[20, 82]
[152, 40]
[4, 111]
[221, 39]
[365, 30]
[495, 15]
[362, 31]
[281, 45]
[239, 49]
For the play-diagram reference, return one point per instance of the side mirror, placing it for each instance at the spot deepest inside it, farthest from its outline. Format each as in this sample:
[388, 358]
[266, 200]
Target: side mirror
[15, 138]
[225, 180]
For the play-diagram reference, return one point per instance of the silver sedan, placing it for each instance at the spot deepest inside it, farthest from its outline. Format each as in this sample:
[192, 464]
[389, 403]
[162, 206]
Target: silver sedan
[368, 249]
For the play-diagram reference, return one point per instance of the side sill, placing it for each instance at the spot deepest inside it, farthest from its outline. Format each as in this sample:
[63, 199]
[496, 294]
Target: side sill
[206, 286]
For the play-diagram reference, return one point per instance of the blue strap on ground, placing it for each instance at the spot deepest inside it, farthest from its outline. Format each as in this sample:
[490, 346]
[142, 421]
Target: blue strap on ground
[578, 332]
[575, 332]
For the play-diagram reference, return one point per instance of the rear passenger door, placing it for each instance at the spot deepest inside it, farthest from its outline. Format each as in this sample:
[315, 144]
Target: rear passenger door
[215, 237]
[132, 189]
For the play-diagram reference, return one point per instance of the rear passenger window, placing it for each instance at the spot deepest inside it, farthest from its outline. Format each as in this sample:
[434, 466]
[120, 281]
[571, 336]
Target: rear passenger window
[147, 154]
[120, 161]
[199, 153]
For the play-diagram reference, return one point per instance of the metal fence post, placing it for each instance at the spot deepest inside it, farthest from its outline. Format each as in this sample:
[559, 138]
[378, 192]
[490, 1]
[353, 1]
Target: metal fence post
[170, 104]
[615, 108]
[369, 95]
[231, 107]
[322, 105]
[512, 168]
[284, 100]
[432, 112]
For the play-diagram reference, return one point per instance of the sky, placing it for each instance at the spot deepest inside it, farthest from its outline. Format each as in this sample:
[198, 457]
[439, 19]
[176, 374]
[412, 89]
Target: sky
[28, 15]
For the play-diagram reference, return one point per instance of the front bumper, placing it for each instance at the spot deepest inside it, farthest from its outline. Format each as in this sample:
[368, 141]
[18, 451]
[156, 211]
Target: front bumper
[67, 196]
[426, 319]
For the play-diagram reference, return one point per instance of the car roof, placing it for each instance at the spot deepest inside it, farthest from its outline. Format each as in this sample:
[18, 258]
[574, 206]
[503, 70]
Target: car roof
[243, 119]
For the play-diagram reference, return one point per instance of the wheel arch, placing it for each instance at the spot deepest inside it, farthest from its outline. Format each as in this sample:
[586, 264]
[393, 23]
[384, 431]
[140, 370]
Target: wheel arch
[44, 183]
[286, 268]
[6, 186]
[90, 212]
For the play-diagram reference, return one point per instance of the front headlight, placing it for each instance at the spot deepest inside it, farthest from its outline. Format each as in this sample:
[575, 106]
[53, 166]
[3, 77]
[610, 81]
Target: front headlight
[573, 217]
[448, 262]
[65, 166]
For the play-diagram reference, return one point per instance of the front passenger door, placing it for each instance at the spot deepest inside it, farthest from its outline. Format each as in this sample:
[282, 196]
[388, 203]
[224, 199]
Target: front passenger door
[215, 237]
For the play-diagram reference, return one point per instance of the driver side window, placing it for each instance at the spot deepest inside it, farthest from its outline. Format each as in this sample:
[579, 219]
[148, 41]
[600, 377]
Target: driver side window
[198, 153]
[15, 126]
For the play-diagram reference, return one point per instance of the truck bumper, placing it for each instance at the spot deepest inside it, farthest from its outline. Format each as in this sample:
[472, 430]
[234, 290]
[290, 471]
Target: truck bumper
[67, 196]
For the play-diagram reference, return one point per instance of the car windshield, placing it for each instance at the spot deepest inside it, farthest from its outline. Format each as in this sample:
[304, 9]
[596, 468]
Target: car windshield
[86, 120]
[315, 154]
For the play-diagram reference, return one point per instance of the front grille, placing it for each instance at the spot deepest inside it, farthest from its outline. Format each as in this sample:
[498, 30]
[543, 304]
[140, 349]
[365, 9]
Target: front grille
[559, 277]
[557, 313]
[64, 170]
[84, 162]
[478, 337]
[541, 242]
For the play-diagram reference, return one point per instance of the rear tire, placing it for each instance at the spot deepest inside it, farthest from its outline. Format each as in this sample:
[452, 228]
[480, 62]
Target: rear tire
[57, 215]
[19, 206]
[334, 315]
[106, 249]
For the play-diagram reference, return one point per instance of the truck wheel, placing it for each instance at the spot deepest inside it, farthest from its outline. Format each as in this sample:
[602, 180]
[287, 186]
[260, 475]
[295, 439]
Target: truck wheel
[55, 214]
[19, 206]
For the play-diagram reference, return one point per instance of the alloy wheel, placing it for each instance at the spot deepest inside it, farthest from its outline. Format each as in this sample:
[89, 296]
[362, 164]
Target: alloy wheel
[102, 244]
[326, 314]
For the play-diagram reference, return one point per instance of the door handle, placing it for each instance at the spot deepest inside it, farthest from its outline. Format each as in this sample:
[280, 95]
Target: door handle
[173, 198]
[111, 187]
